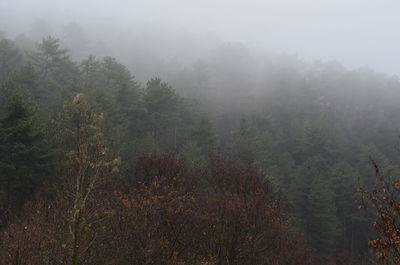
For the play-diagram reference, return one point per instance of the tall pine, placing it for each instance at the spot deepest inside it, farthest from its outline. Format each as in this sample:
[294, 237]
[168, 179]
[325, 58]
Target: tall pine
[25, 160]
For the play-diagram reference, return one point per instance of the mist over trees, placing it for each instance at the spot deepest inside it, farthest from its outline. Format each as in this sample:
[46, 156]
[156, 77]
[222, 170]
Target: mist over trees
[116, 151]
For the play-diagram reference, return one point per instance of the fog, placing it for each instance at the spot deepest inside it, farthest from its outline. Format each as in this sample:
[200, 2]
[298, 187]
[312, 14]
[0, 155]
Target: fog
[199, 132]
[354, 32]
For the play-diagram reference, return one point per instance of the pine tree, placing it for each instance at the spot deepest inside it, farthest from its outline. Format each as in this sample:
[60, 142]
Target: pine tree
[193, 156]
[10, 58]
[247, 144]
[24, 82]
[367, 154]
[204, 137]
[322, 223]
[58, 75]
[49, 57]
[313, 203]
[316, 141]
[25, 160]
[354, 225]
[162, 104]
[282, 170]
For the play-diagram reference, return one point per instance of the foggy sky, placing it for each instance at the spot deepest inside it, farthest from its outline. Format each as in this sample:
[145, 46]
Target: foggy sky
[354, 32]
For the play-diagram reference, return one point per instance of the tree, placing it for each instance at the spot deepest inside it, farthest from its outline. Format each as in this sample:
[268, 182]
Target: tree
[193, 156]
[243, 219]
[25, 82]
[64, 230]
[322, 223]
[87, 167]
[58, 74]
[283, 170]
[112, 90]
[313, 204]
[162, 105]
[317, 141]
[49, 57]
[369, 153]
[247, 145]
[10, 58]
[353, 224]
[25, 159]
[204, 137]
[385, 201]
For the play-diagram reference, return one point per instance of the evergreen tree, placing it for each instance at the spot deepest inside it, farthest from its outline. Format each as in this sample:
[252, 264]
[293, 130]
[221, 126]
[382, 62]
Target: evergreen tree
[115, 93]
[316, 141]
[204, 137]
[247, 145]
[282, 171]
[354, 226]
[368, 154]
[194, 156]
[25, 160]
[26, 83]
[58, 74]
[10, 58]
[322, 222]
[162, 106]
[49, 57]
[313, 204]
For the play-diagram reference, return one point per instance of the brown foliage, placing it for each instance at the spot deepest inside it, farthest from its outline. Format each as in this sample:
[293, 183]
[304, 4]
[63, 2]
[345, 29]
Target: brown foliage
[243, 221]
[155, 218]
[385, 201]
[150, 166]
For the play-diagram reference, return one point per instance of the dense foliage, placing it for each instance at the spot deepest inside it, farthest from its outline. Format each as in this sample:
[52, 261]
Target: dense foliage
[299, 144]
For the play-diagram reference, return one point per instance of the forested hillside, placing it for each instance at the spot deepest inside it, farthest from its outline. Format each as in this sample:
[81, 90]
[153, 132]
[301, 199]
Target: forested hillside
[230, 159]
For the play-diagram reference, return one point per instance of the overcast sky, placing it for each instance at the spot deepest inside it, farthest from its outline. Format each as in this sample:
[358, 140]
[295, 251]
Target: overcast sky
[355, 32]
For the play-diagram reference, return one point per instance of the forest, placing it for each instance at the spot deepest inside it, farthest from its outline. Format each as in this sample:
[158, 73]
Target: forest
[233, 158]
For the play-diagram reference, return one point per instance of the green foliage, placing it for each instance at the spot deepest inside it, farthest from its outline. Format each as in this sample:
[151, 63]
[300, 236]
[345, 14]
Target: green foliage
[10, 58]
[323, 224]
[194, 156]
[204, 136]
[25, 160]
[312, 132]
[113, 91]
[25, 82]
[162, 112]
[282, 171]
[316, 141]
[58, 75]
[49, 58]
[246, 148]
[314, 206]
